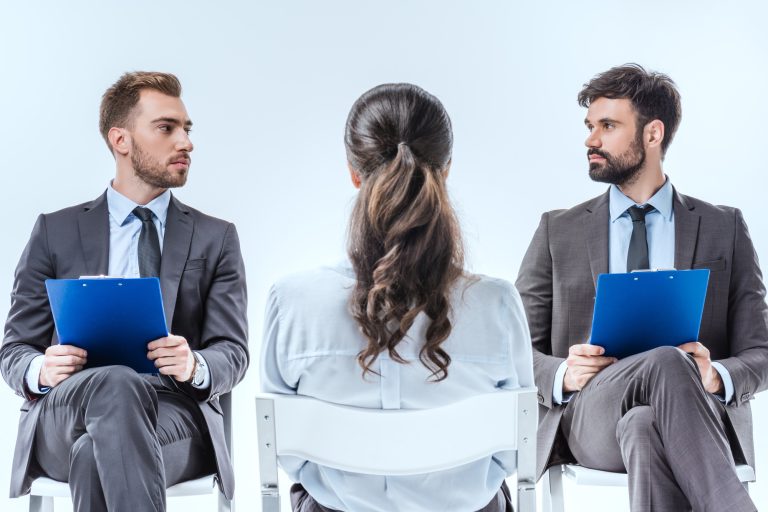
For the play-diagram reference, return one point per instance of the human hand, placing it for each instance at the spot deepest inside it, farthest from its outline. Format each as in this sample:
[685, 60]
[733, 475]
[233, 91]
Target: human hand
[584, 362]
[172, 356]
[60, 362]
[709, 375]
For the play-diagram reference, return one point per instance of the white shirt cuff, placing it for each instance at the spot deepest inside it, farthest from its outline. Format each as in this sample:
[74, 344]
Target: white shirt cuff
[557, 388]
[206, 372]
[33, 376]
[727, 382]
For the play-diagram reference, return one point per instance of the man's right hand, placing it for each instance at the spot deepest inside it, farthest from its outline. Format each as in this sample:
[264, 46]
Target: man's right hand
[584, 362]
[60, 362]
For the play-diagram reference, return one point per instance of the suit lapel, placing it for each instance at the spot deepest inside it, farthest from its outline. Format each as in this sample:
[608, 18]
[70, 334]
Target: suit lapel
[93, 226]
[686, 231]
[597, 235]
[179, 227]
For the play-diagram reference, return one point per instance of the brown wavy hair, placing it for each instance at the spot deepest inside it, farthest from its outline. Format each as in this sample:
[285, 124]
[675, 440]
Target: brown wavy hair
[404, 238]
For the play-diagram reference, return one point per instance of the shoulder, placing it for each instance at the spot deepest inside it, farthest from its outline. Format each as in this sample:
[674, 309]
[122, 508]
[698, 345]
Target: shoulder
[486, 292]
[704, 208]
[577, 212]
[73, 212]
[313, 290]
[203, 220]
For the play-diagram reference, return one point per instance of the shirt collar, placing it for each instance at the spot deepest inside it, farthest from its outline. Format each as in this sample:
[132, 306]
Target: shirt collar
[661, 201]
[120, 207]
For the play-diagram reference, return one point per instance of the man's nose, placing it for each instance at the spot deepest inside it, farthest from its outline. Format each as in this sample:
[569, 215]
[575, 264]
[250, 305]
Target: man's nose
[593, 140]
[185, 143]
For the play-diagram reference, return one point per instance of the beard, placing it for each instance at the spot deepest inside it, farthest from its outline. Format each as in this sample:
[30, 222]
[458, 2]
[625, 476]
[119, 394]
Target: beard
[154, 173]
[619, 170]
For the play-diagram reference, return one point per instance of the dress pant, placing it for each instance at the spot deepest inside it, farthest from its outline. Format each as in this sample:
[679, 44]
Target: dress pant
[301, 501]
[120, 438]
[649, 415]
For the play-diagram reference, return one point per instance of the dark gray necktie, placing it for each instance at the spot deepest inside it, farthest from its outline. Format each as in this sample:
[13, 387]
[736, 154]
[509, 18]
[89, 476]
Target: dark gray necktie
[149, 244]
[637, 256]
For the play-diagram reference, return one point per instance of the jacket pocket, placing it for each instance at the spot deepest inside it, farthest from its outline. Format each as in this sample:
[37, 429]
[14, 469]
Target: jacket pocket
[195, 264]
[712, 265]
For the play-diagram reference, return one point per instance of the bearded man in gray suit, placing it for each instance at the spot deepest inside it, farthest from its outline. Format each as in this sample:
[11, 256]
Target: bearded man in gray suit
[676, 419]
[120, 438]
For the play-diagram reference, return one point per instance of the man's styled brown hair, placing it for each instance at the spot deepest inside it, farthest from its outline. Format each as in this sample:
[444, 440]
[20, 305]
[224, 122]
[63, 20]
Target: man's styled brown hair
[119, 100]
[653, 96]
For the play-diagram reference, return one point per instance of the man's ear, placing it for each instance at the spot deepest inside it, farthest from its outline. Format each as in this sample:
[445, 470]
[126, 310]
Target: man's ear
[654, 133]
[119, 139]
[354, 176]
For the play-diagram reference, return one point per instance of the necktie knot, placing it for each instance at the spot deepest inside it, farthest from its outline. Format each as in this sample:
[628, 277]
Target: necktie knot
[142, 213]
[638, 213]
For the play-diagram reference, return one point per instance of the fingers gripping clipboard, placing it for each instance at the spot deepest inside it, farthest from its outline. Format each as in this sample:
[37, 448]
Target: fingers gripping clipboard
[113, 319]
[639, 311]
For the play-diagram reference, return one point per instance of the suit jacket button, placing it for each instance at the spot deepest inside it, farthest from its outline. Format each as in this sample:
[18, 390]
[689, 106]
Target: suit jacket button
[540, 397]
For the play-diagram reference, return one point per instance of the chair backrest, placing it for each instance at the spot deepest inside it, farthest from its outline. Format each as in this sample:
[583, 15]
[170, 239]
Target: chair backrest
[407, 441]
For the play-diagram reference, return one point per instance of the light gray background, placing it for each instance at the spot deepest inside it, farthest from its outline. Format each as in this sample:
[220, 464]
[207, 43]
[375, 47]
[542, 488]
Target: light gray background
[269, 85]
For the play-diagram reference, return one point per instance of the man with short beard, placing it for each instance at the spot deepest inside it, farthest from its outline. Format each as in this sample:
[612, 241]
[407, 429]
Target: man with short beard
[676, 419]
[120, 438]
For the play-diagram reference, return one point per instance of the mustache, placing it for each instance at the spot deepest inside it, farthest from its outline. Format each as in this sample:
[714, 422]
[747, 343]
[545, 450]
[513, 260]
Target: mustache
[181, 157]
[598, 152]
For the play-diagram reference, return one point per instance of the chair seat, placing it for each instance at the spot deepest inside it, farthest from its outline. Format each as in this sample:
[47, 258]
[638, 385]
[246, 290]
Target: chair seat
[586, 476]
[44, 486]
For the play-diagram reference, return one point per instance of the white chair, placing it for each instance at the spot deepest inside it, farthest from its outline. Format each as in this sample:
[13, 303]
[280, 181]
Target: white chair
[437, 439]
[45, 489]
[553, 482]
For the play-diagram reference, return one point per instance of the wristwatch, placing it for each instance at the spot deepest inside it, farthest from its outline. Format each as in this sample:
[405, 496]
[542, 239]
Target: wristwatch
[198, 376]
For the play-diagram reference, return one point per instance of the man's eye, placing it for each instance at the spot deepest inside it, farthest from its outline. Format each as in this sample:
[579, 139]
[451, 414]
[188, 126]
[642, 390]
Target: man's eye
[188, 130]
[608, 126]
[164, 128]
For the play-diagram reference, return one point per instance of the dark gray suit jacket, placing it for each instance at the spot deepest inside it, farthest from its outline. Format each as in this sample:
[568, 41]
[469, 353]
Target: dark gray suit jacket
[202, 278]
[557, 284]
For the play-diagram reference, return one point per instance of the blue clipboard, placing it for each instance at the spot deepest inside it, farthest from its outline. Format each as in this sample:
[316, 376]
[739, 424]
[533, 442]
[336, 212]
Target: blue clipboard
[640, 311]
[113, 319]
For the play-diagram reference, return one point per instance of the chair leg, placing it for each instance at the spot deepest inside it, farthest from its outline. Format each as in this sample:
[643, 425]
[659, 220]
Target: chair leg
[552, 492]
[225, 504]
[526, 496]
[40, 503]
[270, 503]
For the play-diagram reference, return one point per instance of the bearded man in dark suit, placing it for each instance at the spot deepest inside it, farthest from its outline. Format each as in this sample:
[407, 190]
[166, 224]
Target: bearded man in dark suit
[120, 438]
[676, 419]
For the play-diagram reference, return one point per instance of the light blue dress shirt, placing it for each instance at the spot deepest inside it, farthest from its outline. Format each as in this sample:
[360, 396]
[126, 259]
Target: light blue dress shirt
[125, 228]
[660, 233]
[124, 231]
[310, 347]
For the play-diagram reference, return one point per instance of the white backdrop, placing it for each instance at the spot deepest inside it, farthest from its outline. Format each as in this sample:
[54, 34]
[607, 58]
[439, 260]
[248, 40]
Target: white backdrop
[269, 85]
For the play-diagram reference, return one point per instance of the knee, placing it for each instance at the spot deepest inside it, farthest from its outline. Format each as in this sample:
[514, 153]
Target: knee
[124, 384]
[81, 454]
[670, 359]
[636, 420]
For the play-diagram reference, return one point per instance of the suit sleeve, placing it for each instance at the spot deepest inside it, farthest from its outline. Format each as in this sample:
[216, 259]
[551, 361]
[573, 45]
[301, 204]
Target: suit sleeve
[747, 319]
[225, 328]
[29, 327]
[534, 282]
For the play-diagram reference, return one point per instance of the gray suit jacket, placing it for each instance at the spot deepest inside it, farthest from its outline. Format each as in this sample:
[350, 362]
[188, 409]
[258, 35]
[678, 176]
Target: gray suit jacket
[557, 284]
[202, 279]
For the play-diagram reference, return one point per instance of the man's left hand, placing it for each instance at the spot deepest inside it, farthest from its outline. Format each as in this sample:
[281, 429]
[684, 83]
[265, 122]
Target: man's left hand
[709, 376]
[172, 356]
